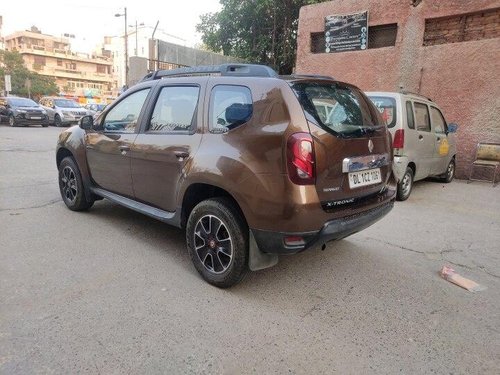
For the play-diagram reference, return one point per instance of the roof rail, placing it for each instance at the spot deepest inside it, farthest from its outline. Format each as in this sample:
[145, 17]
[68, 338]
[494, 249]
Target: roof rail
[234, 70]
[414, 93]
[318, 76]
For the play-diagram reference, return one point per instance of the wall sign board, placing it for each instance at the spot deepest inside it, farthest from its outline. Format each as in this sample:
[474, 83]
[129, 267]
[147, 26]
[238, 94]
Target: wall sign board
[346, 32]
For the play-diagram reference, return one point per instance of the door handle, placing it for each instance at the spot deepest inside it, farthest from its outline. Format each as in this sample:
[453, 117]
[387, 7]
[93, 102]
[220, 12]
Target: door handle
[438, 139]
[124, 148]
[181, 155]
[88, 147]
[420, 136]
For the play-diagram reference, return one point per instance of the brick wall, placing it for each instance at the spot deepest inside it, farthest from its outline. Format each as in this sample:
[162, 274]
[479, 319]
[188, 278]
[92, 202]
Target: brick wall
[460, 73]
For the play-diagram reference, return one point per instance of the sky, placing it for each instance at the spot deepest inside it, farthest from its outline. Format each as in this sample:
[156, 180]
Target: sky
[91, 20]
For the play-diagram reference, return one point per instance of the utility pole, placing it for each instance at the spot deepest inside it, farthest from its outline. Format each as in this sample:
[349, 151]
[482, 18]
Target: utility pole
[125, 37]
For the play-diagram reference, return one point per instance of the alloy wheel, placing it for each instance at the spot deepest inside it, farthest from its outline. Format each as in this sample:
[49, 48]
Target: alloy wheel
[68, 184]
[213, 244]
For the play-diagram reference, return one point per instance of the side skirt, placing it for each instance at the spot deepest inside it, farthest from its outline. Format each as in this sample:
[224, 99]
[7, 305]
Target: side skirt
[171, 218]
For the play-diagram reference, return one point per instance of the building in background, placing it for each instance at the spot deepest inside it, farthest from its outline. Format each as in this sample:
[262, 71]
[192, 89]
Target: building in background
[446, 50]
[2, 45]
[165, 51]
[87, 78]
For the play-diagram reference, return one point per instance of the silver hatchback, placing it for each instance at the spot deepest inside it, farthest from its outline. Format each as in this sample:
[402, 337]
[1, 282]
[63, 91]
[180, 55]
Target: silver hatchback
[424, 144]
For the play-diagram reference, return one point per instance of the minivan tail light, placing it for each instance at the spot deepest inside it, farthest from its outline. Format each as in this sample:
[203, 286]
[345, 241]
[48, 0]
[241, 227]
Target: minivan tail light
[399, 139]
[300, 159]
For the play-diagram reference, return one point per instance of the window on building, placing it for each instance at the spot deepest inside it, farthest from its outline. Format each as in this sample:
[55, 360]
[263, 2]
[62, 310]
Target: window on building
[462, 28]
[101, 69]
[382, 35]
[38, 62]
[378, 36]
[71, 66]
[318, 42]
[59, 62]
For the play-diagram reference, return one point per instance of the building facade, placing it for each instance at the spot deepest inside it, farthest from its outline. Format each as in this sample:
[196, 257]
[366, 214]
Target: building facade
[447, 50]
[83, 77]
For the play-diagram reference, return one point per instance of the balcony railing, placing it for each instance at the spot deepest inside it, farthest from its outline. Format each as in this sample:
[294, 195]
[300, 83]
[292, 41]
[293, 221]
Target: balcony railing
[63, 54]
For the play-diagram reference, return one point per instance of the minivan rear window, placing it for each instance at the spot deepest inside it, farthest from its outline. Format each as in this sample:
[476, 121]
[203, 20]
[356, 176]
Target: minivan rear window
[338, 108]
[387, 108]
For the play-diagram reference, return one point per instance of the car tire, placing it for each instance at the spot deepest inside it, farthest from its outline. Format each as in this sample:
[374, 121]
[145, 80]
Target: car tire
[71, 186]
[449, 175]
[57, 121]
[12, 121]
[45, 125]
[217, 241]
[405, 185]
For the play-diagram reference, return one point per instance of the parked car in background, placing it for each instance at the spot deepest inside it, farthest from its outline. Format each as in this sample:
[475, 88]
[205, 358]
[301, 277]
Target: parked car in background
[22, 111]
[62, 111]
[93, 109]
[424, 144]
[249, 163]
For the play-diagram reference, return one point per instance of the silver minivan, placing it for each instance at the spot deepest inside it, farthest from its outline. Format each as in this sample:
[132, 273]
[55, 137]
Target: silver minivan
[424, 144]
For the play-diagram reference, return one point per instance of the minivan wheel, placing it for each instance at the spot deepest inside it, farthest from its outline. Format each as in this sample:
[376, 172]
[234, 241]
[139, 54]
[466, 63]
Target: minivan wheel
[12, 120]
[57, 121]
[450, 172]
[405, 185]
[217, 241]
[71, 186]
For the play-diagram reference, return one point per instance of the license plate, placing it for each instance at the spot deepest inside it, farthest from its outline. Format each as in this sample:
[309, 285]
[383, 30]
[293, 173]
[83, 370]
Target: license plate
[364, 178]
[36, 118]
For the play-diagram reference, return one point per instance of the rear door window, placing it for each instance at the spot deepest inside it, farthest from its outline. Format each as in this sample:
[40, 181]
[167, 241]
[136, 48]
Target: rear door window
[230, 107]
[387, 109]
[422, 117]
[338, 108]
[174, 110]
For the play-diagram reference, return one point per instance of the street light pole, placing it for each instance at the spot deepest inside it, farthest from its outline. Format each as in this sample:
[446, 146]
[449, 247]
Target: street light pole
[125, 37]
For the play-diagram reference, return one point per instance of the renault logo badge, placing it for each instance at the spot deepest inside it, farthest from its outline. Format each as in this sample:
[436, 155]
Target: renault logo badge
[370, 146]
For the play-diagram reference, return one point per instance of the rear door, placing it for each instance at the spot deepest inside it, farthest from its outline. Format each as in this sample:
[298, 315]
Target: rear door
[167, 142]
[424, 153]
[108, 147]
[441, 143]
[352, 147]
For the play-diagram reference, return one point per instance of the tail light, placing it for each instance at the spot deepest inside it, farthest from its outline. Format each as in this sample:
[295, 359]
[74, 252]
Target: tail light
[399, 139]
[300, 159]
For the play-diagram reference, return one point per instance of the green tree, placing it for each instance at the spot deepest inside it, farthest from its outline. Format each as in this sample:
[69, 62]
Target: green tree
[261, 31]
[12, 63]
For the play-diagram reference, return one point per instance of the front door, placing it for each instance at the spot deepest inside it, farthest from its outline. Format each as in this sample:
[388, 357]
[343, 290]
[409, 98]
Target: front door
[166, 144]
[108, 147]
[441, 143]
[425, 143]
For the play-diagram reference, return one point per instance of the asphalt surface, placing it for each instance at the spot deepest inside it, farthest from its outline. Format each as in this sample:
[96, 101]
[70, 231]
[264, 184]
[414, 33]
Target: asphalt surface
[111, 291]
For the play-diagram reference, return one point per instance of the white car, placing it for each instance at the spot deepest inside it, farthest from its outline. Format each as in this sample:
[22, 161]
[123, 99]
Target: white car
[424, 144]
[62, 111]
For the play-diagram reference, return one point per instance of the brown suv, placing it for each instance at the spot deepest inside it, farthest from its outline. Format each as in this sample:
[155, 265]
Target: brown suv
[252, 165]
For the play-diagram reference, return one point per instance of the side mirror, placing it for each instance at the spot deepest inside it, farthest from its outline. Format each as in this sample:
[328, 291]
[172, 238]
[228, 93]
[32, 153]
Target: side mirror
[86, 122]
[452, 128]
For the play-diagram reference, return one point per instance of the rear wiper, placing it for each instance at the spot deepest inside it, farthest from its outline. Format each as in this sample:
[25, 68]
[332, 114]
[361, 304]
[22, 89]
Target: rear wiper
[371, 129]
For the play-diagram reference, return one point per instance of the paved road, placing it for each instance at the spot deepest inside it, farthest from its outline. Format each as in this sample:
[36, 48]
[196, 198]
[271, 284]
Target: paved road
[111, 291]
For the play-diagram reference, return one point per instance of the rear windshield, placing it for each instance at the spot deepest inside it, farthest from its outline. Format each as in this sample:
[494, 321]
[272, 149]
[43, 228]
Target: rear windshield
[66, 103]
[338, 108]
[387, 108]
[22, 102]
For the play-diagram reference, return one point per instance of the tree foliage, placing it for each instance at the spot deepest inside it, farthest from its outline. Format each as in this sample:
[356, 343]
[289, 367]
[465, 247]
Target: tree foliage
[12, 63]
[260, 31]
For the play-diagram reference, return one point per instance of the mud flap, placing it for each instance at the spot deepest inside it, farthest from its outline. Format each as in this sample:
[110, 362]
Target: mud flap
[257, 260]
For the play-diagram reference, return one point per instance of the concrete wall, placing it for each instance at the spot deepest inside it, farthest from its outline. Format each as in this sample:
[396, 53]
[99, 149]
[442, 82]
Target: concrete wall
[180, 55]
[462, 77]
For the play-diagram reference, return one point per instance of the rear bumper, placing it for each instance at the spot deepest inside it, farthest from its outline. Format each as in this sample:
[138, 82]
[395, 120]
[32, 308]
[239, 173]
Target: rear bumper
[273, 242]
